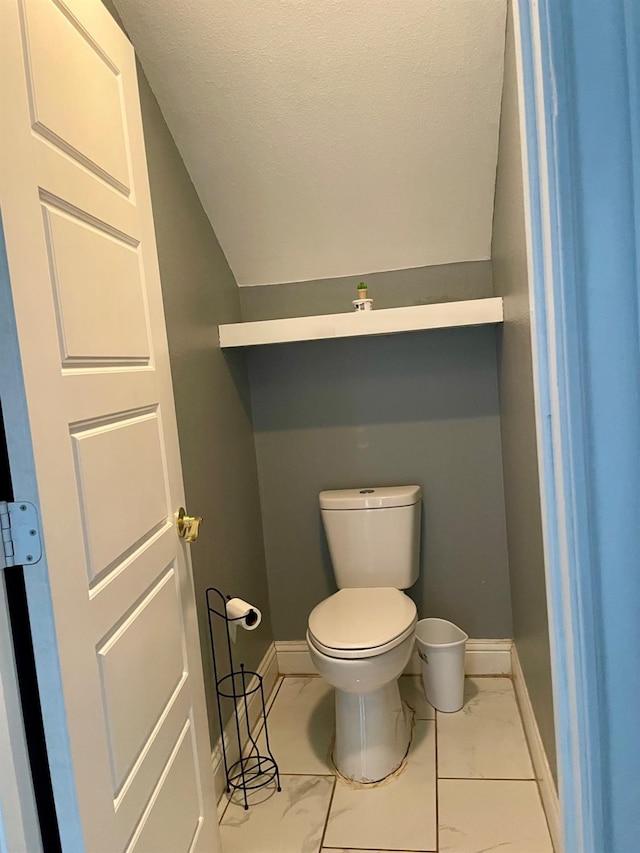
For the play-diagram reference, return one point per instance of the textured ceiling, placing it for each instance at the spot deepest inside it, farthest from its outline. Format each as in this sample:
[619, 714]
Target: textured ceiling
[332, 137]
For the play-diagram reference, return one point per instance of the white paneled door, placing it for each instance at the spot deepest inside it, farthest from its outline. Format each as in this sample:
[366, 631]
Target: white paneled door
[90, 423]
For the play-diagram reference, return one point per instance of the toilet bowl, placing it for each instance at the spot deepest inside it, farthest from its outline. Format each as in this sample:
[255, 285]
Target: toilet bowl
[360, 641]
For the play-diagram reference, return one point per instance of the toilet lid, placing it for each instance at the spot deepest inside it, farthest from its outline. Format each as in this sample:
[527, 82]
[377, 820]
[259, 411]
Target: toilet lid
[354, 619]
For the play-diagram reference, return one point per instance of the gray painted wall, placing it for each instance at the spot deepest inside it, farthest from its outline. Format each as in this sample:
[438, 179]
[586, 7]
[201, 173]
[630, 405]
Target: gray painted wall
[411, 408]
[521, 485]
[211, 393]
[469, 280]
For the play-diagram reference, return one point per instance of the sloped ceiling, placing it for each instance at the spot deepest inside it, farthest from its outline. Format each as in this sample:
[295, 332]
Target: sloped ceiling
[332, 137]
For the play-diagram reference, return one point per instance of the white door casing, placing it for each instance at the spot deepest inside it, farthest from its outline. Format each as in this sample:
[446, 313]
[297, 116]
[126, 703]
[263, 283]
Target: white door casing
[90, 421]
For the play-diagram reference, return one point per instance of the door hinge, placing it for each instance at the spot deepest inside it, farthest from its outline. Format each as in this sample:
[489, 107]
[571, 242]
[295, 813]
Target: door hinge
[20, 533]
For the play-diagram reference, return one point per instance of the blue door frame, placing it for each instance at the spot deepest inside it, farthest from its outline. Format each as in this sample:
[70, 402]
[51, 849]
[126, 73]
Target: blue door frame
[581, 86]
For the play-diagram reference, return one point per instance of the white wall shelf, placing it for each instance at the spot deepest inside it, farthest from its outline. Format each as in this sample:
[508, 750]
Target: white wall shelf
[384, 321]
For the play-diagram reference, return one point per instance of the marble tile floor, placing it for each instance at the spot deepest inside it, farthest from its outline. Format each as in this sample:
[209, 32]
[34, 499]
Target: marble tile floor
[467, 785]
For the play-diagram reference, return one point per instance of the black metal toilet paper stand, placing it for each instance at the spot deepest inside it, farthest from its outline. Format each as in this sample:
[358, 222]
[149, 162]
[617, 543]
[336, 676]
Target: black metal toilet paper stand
[252, 770]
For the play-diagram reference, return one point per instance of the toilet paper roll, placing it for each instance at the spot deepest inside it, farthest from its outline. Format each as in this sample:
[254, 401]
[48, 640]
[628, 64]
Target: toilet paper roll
[245, 615]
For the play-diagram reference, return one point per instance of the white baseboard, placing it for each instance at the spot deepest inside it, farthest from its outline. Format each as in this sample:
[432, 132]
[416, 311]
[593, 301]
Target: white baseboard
[268, 669]
[482, 657]
[294, 658]
[541, 768]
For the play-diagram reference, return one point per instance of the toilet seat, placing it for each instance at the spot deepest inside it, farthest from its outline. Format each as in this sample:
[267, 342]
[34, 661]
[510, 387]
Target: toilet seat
[361, 623]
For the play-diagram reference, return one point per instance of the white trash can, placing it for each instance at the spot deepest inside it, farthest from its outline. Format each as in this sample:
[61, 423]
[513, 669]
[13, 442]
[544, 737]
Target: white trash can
[441, 647]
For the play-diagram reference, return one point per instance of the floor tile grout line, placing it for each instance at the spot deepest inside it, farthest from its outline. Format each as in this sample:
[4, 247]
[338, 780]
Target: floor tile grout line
[224, 810]
[489, 675]
[327, 772]
[326, 820]
[271, 701]
[312, 775]
[487, 778]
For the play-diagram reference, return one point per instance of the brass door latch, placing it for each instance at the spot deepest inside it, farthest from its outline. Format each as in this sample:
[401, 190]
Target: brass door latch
[188, 525]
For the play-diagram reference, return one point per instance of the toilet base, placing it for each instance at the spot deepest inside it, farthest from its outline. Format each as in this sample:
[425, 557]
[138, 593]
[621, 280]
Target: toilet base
[373, 732]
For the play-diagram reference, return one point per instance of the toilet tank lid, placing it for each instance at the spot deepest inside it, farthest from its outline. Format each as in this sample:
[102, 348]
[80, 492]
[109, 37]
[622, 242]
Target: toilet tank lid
[370, 498]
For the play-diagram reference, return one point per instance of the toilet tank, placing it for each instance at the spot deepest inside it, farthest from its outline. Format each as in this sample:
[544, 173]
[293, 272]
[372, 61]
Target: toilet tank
[373, 535]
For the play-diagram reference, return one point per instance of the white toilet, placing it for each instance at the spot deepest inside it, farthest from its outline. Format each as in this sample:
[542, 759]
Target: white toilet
[361, 638]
